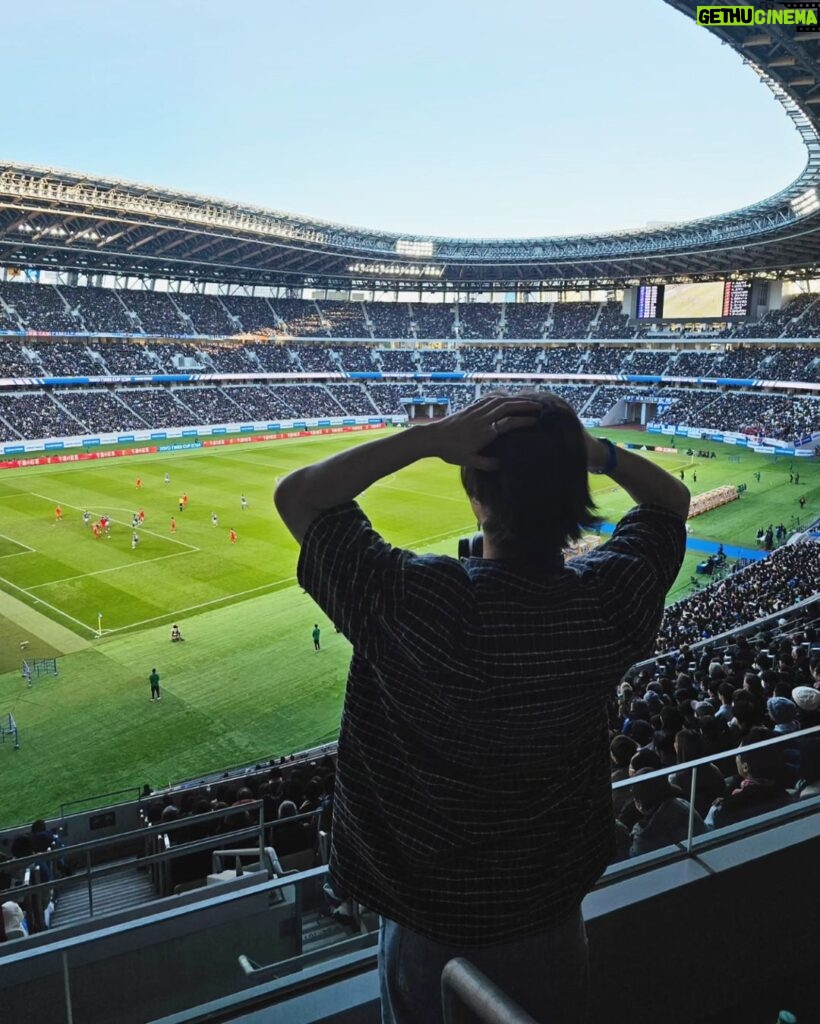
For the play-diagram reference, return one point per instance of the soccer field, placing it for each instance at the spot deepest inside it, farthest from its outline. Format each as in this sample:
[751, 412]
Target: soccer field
[246, 684]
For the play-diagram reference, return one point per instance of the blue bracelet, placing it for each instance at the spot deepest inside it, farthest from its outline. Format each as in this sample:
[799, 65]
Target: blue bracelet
[612, 458]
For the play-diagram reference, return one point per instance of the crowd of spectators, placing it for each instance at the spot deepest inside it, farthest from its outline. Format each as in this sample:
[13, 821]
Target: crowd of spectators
[605, 359]
[34, 414]
[387, 397]
[356, 358]
[479, 320]
[255, 314]
[762, 415]
[572, 319]
[301, 318]
[207, 314]
[775, 322]
[524, 320]
[648, 361]
[129, 357]
[40, 308]
[98, 411]
[316, 358]
[18, 360]
[353, 399]
[345, 319]
[479, 358]
[438, 360]
[157, 312]
[562, 359]
[390, 319]
[612, 323]
[788, 575]
[397, 360]
[522, 359]
[434, 319]
[270, 358]
[65, 358]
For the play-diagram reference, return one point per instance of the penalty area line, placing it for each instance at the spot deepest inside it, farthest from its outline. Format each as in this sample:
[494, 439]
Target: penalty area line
[113, 568]
[54, 608]
[270, 588]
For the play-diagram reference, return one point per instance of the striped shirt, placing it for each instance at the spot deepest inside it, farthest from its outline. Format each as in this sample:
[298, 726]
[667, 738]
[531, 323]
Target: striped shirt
[473, 801]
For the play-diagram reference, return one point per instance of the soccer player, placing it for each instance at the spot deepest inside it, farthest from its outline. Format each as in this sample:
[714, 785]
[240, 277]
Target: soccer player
[173, 525]
[214, 519]
[135, 521]
[233, 536]
[167, 478]
[141, 515]
[58, 514]
[86, 517]
[139, 483]
[181, 503]
[243, 502]
[316, 634]
[184, 499]
[95, 529]
[135, 539]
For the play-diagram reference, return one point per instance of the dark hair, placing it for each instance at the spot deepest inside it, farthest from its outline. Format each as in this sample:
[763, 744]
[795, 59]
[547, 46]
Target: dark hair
[622, 748]
[766, 763]
[538, 499]
[653, 792]
[691, 745]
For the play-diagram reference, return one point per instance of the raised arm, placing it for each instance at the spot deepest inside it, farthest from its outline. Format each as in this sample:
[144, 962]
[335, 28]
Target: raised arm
[644, 482]
[457, 439]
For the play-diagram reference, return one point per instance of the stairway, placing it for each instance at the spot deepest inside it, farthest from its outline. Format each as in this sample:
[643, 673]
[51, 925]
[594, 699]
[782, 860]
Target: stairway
[119, 890]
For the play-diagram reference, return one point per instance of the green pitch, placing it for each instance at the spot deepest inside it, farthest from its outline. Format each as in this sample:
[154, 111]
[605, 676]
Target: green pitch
[246, 684]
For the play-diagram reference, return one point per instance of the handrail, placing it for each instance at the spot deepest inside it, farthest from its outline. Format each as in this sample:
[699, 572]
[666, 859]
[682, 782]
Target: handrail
[171, 853]
[98, 796]
[468, 995]
[773, 741]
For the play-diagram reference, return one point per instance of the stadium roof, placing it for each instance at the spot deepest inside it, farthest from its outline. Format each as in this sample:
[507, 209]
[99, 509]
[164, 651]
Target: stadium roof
[61, 220]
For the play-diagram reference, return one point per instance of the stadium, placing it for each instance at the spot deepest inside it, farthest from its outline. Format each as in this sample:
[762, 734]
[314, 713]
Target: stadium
[165, 359]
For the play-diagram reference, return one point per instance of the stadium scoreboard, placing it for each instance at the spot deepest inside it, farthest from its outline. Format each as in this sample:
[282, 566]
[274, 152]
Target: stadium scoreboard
[650, 302]
[711, 300]
[736, 296]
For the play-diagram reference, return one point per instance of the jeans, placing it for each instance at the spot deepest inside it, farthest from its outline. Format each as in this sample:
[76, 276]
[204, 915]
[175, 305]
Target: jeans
[546, 974]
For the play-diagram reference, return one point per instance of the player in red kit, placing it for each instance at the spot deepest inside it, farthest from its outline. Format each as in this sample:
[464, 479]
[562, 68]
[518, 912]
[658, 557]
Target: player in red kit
[233, 536]
[139, 483]
[173, 525]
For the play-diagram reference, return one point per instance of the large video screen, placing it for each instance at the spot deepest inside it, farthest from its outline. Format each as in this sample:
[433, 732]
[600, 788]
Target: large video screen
[712, 300]
[693, 301]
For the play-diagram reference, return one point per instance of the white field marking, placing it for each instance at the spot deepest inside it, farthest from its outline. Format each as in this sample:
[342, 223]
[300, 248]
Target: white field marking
[113, 568]
[424, 494]
[120, 522]
[46, 604]
[19, 543]
[179, 612]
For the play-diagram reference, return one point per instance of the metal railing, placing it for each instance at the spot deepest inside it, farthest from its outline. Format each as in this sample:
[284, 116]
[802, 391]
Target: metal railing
[468, 996]
[790, 738]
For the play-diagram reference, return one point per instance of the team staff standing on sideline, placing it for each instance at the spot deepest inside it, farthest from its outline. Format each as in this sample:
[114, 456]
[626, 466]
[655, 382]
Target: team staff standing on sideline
[498, 668]
[154, 681]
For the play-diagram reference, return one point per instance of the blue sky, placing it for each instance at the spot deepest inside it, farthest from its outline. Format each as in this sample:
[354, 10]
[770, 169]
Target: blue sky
[455, 118]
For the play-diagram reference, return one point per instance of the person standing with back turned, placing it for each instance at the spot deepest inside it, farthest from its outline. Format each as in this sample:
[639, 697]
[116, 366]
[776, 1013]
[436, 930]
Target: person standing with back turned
[493, 670]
